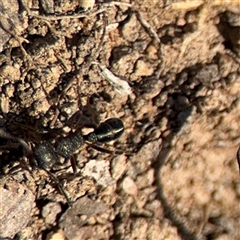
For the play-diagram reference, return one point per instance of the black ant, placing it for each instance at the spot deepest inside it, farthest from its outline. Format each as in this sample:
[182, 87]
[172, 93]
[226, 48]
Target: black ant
[45, 154]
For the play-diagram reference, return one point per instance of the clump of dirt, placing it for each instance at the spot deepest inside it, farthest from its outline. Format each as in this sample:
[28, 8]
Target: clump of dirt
[169, 70]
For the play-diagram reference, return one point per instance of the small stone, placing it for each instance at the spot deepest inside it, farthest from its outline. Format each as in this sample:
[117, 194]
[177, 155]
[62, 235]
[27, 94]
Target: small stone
[48, 6]
[131, 29]
[56, 236]
[4, 103]
[139, 228]
[86, 4]
[41, 106]
[146, 179]
[9, 90]
[129, 186]
[50, 212]
[10, 72]
[16, 204]
[99, 170]
[82, 210]
[118, 167]
[152, 51]
[143, 68]
[36, 83]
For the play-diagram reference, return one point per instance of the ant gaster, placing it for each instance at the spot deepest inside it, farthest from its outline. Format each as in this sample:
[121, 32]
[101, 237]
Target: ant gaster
[47, 154]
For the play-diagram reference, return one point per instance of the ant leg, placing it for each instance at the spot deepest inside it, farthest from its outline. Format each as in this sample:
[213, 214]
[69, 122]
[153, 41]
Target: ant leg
[55, 117]
[22, 166]
[55, 179]
[5, 135]
[74, 164]
[104, 150]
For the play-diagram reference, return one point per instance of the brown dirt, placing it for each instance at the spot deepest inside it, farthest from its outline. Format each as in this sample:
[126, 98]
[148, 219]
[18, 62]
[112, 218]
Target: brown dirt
[177, 67]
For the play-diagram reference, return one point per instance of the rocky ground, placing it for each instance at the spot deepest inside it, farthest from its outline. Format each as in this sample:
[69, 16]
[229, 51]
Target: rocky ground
[169, 70]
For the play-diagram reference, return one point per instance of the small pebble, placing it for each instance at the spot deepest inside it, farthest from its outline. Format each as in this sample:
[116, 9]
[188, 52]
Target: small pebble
[86, 4]
[129, 186]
